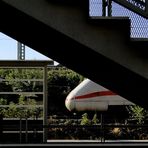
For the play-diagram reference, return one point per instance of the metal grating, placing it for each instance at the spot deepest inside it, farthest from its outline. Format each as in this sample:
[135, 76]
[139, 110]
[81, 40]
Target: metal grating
[139, 25]
[138, 3]
[95, 7]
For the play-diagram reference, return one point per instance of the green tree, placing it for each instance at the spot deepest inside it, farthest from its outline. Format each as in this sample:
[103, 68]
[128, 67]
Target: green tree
[26, 86]
[60, 82]
[4, 86]
[9, 85]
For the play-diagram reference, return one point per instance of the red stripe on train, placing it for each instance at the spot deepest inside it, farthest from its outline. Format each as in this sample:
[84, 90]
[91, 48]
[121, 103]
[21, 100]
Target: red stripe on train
[96, 94]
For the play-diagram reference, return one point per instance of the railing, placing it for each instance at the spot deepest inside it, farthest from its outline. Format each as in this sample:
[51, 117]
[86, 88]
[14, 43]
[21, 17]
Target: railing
[139, 24]
[138, 6]
[31, 131]
[98, 132]
[21, 130]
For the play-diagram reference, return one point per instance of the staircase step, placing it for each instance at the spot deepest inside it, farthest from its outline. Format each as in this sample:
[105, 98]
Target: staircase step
[114, 22]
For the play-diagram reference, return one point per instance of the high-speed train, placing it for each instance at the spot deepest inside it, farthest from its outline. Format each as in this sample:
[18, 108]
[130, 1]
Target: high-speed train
[91, 96]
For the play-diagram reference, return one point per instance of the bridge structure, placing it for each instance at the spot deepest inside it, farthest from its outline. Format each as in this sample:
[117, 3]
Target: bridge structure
[99, 47]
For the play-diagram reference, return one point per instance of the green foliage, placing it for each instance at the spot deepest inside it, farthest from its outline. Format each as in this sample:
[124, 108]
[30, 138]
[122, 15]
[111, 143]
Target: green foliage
[21, 100]
[3, 101]
[9, 85]
[68, 122]
[137, 113]
[60, 82]
[85, 120]
[31, 110]
[2, 109]
[95, 119]
[24, 74]
[14, 111]
[64, 77]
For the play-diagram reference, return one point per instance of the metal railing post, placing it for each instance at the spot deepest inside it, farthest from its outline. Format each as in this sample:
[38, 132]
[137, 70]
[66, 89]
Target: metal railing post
[103, 7]
[45, 103]
[20, 130]
[146, 7]
[109, 7]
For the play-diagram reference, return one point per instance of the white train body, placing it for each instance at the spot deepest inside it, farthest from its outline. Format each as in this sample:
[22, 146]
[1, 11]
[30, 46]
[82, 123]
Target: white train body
[91, 96]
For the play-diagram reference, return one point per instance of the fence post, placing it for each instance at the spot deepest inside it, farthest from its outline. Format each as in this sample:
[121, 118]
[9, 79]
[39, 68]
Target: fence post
[20, 130]
[102, 128]
[146, 8]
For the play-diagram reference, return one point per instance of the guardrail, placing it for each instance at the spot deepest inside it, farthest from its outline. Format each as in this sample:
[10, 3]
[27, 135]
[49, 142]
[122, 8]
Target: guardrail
[139, 24]
[138, 6]
[100, 132]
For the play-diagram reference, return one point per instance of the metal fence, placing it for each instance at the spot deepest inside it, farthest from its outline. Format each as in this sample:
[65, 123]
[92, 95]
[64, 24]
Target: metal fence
[139, 25]
[99, 132]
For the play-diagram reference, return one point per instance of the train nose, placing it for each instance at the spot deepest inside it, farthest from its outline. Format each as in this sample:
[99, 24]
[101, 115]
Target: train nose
[69, 103]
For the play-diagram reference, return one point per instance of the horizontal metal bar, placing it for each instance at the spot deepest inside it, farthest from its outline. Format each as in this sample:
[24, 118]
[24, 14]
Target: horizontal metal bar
[78, 143]
[20, 67]
[21, 80]
[25, 63]
[38, 119]
[93, 126]
[4, 106]
[19, 93]
[12, 132]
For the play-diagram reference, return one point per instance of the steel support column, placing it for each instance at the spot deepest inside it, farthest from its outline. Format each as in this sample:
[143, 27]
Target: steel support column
[45, 104]
[21, 51]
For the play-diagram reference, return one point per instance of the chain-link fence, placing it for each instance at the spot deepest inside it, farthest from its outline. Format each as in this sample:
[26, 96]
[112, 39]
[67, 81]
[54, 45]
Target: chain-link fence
[139, 25]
